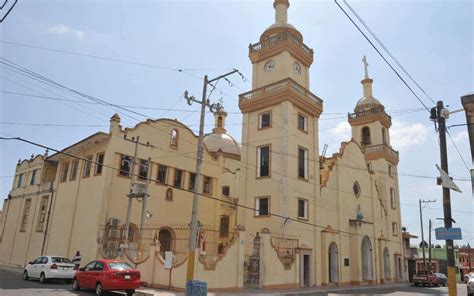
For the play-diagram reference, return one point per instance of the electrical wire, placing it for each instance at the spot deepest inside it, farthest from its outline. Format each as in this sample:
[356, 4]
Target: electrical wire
[381, 55]
[387, 51]
[457, 150]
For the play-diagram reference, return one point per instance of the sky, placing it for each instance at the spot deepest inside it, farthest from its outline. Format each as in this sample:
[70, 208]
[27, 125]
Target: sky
[170, 45]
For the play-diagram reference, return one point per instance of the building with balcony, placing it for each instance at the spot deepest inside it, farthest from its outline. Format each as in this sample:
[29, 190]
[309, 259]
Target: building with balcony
[273, 213]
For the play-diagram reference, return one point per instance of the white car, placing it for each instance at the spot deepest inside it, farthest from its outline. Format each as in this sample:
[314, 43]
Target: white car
[470, 285]
[49, 267]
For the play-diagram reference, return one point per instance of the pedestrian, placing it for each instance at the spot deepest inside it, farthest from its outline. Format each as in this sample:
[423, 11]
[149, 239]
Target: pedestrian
[77, 260]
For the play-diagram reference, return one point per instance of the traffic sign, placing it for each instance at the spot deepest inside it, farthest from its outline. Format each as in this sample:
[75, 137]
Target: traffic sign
[448, 233]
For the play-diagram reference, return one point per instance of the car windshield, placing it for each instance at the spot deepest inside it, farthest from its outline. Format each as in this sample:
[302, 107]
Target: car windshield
[60, 260]
[120, 266]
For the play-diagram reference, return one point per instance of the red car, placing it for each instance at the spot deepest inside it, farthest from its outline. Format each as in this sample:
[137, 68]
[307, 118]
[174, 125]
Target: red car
[107, 275]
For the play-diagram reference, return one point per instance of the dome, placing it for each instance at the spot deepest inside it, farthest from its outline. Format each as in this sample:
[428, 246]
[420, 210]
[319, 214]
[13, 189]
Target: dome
[367, 103]
[216, 142]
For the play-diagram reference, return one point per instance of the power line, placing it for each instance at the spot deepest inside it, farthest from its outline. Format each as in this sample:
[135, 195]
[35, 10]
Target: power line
[386, 50]
[181, 70]
[381, 55]
[457, 150]
[286, 218]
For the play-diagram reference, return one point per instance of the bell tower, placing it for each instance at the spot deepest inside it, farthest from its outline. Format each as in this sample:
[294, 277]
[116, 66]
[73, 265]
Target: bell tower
[371, 124]
[280, 132]
[281, 52]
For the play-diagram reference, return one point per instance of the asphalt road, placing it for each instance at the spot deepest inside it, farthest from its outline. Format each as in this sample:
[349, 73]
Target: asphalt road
[12, 284]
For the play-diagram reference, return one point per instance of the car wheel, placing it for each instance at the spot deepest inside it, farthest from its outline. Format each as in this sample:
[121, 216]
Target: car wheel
[42, 278]
[25, 275]
[130, 292]
[98, 289]
[75, 285]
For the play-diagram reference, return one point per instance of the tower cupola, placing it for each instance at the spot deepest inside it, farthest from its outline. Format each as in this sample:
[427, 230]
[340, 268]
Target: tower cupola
[368, 101]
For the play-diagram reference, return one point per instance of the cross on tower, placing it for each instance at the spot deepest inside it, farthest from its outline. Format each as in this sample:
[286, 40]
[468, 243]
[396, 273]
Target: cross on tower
[366, 65]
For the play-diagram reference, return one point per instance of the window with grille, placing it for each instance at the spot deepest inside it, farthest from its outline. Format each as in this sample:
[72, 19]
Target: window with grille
[74, 169]
[143, 172]
[302, 163]
[224, 226]
[125, 165]
[99, 163]
[20, 180]
[207, 186]
[226, 190]
[265, 120]
[64, 171]
[162, 172]
[34, 175]
[302, 208]
[192, 180]
[302, 123]
[262, 206]
[26, 213]
[42, 213]
[87, 166]
[178, 178]
[263, 161]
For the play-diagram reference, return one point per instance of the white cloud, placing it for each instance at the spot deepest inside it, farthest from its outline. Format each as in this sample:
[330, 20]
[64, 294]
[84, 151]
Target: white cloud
[404, 135]
[461, 137]
[65, 30]
[342, 131]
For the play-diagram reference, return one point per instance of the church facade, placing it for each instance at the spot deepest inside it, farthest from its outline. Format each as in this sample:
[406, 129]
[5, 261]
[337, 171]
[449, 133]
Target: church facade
[273, 213]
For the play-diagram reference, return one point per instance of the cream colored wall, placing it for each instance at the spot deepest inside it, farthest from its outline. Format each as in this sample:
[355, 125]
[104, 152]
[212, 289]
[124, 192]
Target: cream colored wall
[283, 69]
[338, 196]
[283, 187]
[375, 133]
[76, 207]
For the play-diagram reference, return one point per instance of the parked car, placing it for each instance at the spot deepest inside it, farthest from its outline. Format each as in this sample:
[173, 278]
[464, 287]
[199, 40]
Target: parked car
[107, 275]
[470, 285]
[425, 278]
[442, 279]
[467, 276]
[45, 268]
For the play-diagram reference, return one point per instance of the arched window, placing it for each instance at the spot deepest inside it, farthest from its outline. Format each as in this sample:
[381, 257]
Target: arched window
[366, 136]
[165, 238]
[133, 233]
[219, 121]
[174, 138]
[384, 136]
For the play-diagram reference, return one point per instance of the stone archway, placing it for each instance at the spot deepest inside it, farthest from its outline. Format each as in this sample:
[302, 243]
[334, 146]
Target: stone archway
[386, 265]
[366, 255]
[333, 263]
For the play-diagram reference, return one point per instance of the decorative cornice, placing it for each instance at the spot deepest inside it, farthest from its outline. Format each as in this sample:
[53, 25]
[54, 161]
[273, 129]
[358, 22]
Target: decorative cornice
[361, 118]
[277, 92]
[277, 40]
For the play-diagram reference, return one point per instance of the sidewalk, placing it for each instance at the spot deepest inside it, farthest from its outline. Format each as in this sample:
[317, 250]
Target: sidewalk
[261, 292]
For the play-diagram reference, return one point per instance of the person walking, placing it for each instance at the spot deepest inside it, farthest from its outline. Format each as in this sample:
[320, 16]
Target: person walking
[77, 260]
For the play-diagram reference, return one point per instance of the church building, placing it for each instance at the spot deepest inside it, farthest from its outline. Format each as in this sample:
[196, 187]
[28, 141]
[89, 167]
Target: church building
[273, 213]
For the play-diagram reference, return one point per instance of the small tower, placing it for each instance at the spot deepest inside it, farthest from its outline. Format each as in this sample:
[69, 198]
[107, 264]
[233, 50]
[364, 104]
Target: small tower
[114, 124]
[370, 123]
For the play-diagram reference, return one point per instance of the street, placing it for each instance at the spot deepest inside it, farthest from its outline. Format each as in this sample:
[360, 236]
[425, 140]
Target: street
[12, 284]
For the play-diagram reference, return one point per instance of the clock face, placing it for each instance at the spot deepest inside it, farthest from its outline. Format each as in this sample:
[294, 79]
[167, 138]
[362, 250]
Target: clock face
[297, 68]
[269, 66]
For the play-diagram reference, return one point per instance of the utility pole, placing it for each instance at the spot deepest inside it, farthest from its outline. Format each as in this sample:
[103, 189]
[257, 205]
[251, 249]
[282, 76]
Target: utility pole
[145, 196]
[441, 115]
[422, 232]
[429, 249]
[197, 181]
[134, 186]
